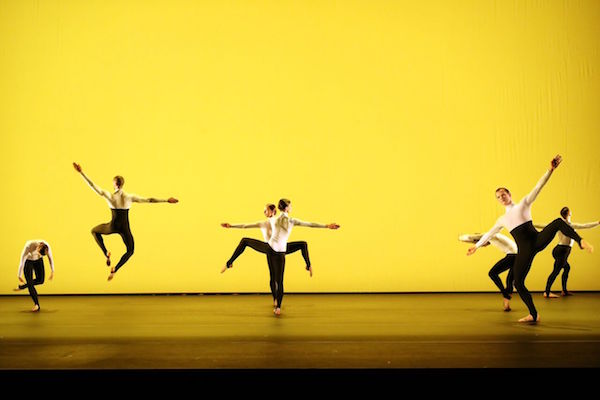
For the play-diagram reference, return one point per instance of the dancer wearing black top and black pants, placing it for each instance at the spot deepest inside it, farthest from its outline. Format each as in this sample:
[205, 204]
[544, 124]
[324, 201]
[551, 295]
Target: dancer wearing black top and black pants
[32, 262]
[119, 203]
[529, 241]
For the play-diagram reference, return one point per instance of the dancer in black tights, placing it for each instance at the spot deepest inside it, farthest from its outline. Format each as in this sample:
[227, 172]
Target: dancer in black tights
[517, 219]
[508, 247]
[119, 203]
[561, 252]
[32, 262]
[262, 247]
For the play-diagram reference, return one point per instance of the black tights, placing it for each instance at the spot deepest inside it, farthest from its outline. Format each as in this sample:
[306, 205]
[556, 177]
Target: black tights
[530, 242]
[32, 266]
[119, 224]
[505, 264]
[560, 254]
[278, 268]
[264, 248]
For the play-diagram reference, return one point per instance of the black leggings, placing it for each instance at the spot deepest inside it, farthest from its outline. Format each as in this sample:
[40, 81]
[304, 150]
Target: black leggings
[530, 242]
[32, 266]
[505, 264]
[278, 268]
[263, 247]
[119, 224]
[561, 254]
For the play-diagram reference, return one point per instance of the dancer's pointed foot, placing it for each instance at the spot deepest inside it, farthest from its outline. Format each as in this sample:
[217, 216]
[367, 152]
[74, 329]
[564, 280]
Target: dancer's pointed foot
[108, 259]
[310, 270]
[17, 289]
[35, 308]
[226, 267]
[277, 311]
[529, 318]
[550, 295]
[586, 246]
[507, 305]
[112, 274]
[563, 293]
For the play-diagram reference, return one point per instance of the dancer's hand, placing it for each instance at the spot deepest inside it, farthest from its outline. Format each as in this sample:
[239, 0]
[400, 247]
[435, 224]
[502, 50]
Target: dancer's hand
[225, 225]
[173, 200]
[77, 167]
[555, 162]
[471, 250]
[51, 275]
[333, 226]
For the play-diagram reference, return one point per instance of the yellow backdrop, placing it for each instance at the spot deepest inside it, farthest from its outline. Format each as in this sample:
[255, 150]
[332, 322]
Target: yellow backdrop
[396, 119]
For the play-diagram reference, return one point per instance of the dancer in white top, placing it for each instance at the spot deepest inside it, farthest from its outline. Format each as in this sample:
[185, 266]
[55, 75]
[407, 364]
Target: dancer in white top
[32, 261]
[508, 247]
[262, 247]
[281, 229]
[561, 253]
[119, 203]
[517, 219]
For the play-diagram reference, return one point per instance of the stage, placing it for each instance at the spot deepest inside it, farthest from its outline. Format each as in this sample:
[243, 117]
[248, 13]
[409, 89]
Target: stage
[315, 331]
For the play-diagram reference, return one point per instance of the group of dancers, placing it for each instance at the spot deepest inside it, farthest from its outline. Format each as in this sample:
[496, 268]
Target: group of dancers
[529, 242]
[276, 231]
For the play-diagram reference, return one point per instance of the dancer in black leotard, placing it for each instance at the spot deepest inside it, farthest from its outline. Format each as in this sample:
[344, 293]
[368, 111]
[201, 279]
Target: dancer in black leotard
[119, 203]
[561, 252]
[529, 241]
[32, 262]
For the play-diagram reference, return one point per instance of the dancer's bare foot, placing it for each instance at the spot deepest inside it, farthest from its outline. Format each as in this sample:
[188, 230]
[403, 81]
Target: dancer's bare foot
[310, 270]
[529, 318]
[563, 293]
[550, 295]
[108, 259]
[274, 304]
[586, 246]
[507, 305]
[35, 308]
[277, 311]
[17, 289]
[225, 268]
[112, 274]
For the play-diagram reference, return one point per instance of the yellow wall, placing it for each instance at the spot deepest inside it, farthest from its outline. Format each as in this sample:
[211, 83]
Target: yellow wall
[396, 119]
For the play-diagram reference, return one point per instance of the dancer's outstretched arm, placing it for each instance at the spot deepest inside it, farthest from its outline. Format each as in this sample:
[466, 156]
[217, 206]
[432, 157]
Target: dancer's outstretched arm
[313, 224]
[139, 199]
[587, 225]
[530, 198]
[486, 238]
[259, 224]
[94, 187]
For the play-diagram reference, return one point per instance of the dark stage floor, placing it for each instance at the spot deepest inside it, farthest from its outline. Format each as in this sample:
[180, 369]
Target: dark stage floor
[315, 331]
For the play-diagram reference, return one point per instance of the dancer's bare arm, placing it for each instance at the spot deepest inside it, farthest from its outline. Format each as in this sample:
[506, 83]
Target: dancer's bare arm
[94, 187]
[51, 260]
[530, 198]
[139, 199]
[587, 225]
[314, 224]
[259, 224]
[486, 238]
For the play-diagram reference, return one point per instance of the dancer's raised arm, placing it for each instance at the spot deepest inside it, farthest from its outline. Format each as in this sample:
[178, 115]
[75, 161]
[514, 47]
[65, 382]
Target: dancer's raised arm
[94, 187]
[530, 198]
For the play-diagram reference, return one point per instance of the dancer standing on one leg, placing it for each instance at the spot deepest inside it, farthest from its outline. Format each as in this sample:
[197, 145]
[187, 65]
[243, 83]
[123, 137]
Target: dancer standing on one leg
[561, 253]
[517, 219]
[32, 262]
[281, 230]
[119, 203]
[262, 247]
[507, 246]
